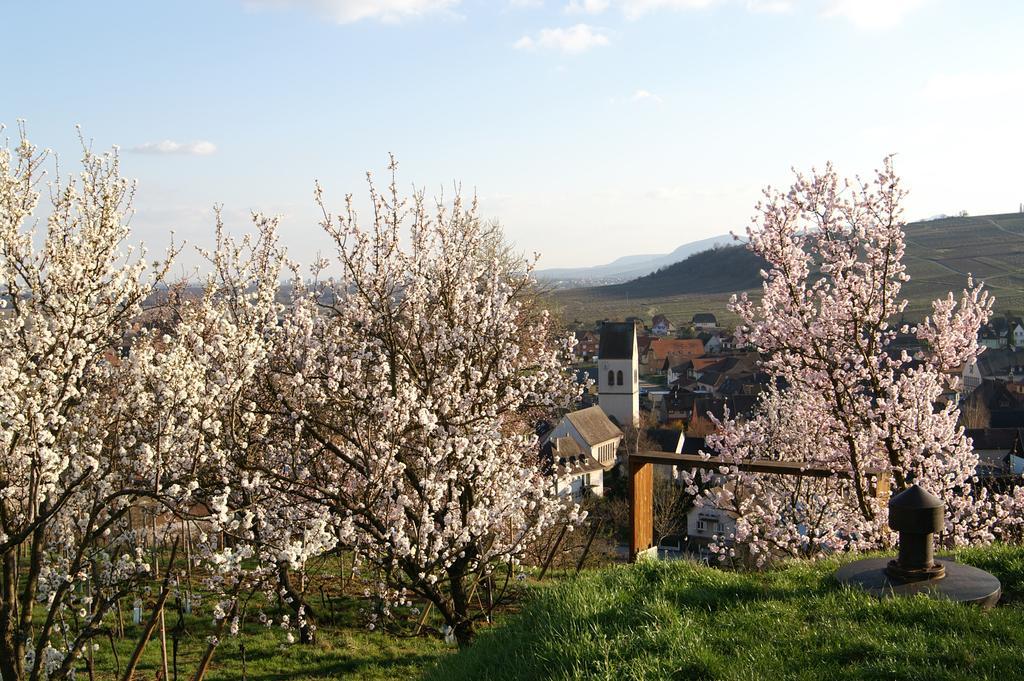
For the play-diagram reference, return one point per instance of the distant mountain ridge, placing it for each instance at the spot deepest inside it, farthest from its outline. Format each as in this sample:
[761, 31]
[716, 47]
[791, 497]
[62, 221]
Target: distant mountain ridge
[940, 253]
[630, 266]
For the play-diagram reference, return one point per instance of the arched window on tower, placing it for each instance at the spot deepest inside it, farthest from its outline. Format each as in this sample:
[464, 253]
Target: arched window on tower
[611, 377]
[619, 377]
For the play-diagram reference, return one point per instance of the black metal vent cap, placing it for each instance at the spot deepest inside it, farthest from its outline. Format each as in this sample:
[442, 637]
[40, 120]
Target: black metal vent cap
[916, 511]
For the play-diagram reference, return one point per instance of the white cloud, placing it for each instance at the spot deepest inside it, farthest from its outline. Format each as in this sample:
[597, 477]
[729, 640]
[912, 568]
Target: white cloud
[525, 4]
[198, 148]
[873, 14]
[634, 9]
[573, 40]
[350, 11]
[586, 6]
[771, 6]
[646, 96]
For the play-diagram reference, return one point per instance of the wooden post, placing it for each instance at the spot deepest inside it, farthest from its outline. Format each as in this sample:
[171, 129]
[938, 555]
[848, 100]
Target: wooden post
[423, 620]
[641, 485]
[147, 632]
[641, 507]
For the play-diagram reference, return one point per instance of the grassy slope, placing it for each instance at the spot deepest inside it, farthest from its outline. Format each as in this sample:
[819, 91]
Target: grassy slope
[677, 620]
[939, 255]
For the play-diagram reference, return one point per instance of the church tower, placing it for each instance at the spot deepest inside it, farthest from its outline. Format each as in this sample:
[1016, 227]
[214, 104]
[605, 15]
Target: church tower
[618, 378]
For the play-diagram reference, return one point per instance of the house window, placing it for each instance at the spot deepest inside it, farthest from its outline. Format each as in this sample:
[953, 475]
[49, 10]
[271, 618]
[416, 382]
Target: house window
[708, 525]
[620, 378]
[611, 377]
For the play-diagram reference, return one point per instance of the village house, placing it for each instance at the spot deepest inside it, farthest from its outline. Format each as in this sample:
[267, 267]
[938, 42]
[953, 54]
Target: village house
[1002, 332]
[692, 412]
[593, 431]
[712, 342]
[680, 349]
[706, 410]
[1000, 451]
[661, 326]
[993, 335]
[1015, 335]
[586, 345]
[706, 522]
[575, 472]
[681, 372]
[1004, 364]
[993, 404]
[643, 347]
[704, 320]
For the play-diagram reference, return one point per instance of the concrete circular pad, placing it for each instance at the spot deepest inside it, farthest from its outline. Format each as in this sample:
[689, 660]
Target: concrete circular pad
[962, 583]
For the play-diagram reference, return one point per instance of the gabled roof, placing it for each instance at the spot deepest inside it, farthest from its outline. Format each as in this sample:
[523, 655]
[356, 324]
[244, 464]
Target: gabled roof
[712, 378]
[705, 362]
[999, 324]
[704, 318]
[617, 340]
[1005, 439]
[665, 439]
[687, 348]
[1000, 362]
[593, 425]
[737, 405]
[674, 359]
[682, 367]
[565, 453]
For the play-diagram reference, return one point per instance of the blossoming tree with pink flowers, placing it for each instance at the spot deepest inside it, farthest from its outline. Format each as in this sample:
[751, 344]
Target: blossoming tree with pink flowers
[846, 398]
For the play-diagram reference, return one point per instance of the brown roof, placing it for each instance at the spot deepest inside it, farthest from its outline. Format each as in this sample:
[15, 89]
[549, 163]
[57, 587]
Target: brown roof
[686, 347]
[567, 446]
[593, 425]
[705, 362]
[566, 452]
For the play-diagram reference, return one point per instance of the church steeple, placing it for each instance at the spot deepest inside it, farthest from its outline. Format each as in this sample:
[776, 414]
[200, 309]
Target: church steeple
[618, 379]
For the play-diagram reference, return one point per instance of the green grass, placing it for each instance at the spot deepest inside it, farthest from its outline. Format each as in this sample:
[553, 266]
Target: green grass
[682, 621]
[349, 651]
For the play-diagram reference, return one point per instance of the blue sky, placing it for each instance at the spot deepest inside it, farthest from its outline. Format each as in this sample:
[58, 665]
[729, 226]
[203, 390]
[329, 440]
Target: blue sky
[590, 128]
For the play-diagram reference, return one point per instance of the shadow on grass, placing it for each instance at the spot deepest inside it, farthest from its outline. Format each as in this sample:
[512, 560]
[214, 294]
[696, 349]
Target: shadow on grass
[683, 621]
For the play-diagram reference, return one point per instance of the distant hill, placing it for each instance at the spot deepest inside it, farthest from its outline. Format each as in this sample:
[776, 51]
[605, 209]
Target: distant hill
[940, 253]
[716, 270]
[629, 266]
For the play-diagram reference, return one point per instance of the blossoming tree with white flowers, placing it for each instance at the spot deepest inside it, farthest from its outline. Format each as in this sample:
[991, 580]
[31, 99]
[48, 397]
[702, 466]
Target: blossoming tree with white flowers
[409, 375]
[75, 456]
[853, 402]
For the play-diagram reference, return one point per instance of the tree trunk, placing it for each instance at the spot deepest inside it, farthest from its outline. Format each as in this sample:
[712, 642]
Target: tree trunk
[12, 649]
[462, 625]
[307, 621]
